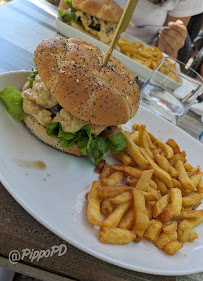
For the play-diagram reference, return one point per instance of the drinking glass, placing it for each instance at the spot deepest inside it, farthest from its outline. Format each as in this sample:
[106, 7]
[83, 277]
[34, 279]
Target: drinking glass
[171, 89]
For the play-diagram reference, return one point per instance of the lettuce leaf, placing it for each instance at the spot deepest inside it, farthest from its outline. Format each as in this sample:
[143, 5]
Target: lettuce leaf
[69, 16]
[116, 141]
[70, 4]
[32, 76]
[88, 143]
[14, 102]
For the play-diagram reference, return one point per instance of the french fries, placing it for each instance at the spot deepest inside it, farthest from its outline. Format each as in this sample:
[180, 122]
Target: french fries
[121, 198]
[114, 218]
[128, 220]
[162, 161]
[116, 236]
[191, 200]
[172, 247]
[152, 194]
[161, 205]
[153, 231]
[113, 179]
[170, 228]
[144, 180]
[128, 170]
[141, 216]
[160, 173]
[106, 192]
[148, 56]
[106, 207]
[133, 150]
[93, 209]
[183, 176]
[176, 201]
[165, 238]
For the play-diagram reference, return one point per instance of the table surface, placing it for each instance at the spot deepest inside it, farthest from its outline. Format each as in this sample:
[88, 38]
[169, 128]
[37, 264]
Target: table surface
[23, 25]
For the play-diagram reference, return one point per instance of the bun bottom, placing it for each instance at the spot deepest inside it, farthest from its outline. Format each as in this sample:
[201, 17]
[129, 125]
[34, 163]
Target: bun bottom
[40, 132]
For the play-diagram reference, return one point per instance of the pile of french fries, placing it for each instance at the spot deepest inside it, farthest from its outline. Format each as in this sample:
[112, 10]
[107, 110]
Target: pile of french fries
[148, 56]
[153, 193]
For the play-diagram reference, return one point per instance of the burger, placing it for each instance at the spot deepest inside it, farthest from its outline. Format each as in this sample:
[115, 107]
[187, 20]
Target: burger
[71, 102]
[96, 17]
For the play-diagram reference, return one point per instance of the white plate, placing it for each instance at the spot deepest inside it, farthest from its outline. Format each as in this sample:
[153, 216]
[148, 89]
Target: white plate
[136, 68]
[55, 196]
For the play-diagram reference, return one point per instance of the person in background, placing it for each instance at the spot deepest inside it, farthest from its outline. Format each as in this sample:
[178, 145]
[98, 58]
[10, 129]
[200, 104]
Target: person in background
[193, 42]
[174, 13]
[195, 25]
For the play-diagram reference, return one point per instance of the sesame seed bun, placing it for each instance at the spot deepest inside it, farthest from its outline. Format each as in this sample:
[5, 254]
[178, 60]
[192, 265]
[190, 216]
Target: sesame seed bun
[72, 71]
[106, 10]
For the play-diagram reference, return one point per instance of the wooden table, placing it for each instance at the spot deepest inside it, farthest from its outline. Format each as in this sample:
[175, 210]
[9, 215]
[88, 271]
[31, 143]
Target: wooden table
[23, 25]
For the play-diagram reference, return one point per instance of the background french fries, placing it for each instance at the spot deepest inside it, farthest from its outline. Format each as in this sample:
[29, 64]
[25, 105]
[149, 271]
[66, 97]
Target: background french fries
[153, 193]
[148, 56]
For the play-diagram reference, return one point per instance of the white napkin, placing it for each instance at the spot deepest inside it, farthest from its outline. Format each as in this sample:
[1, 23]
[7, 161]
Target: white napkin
[183, 90]
[198, 109]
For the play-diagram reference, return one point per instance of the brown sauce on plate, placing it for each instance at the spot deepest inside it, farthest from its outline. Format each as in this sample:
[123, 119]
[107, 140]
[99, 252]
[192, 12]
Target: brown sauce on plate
[37, 165]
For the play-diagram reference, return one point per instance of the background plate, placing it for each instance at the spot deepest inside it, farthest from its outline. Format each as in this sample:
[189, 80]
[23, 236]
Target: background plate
[55, 196]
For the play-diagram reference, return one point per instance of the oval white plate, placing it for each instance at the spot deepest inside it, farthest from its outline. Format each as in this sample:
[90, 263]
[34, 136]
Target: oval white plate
[55, 196]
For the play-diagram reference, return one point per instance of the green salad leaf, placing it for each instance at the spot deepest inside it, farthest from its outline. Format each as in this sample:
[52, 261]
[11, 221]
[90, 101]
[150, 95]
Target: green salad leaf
[14, 102]
[116, 142]
[62, 12]
[88, 143]
[69, 16]
[70, 4]
[32, 76]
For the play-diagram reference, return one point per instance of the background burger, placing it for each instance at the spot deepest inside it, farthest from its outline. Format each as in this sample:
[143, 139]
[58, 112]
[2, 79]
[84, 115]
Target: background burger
[96, 17]
[73, 103]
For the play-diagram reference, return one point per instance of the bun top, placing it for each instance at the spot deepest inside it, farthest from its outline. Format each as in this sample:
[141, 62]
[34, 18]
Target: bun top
[106, 10]
[72, 71]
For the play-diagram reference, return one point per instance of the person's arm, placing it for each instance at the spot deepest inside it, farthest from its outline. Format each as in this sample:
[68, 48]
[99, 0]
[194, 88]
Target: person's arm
[171, 40]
